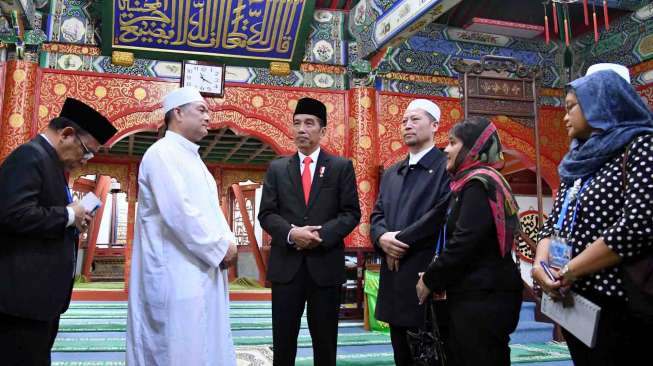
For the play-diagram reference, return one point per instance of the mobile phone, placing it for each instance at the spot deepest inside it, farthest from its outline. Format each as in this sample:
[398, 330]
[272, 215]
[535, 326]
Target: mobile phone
[92, 212]
[547, 270]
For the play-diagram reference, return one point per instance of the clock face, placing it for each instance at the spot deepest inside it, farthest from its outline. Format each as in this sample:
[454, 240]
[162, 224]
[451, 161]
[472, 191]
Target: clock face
[208, 79]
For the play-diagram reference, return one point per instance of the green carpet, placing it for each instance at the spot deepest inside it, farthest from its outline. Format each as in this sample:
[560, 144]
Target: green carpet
[83, 317]
[239, 284]
[356, 359]
[122, 313]
[100, 286]
[123, 305]
[117, 344]
[81, 326]
[520, 354]
[88, 363]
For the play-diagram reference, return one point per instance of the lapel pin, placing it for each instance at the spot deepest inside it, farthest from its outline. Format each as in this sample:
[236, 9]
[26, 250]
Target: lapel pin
[430, 171]
[321, 171]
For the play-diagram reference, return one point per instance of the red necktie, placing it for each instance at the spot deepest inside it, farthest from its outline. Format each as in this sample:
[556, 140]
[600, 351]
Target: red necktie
[306, 178]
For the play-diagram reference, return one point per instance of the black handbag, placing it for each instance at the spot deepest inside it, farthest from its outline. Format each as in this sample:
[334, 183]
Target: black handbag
[426, 345]
[637, 275]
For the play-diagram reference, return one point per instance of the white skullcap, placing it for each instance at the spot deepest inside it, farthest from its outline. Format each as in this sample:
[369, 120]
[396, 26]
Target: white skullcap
[181, 96]
[426, 105]
[619, 69]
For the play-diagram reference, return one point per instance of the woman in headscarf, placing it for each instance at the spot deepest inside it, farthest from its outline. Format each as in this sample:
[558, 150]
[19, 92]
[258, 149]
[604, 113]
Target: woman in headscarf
[602, 214]
[474, 265]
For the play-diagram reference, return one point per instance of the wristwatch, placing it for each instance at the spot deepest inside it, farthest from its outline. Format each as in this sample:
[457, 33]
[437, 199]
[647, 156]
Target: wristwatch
[567, 275]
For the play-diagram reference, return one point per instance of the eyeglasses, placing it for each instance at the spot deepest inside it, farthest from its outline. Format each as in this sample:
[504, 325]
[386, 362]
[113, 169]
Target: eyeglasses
[88, 154]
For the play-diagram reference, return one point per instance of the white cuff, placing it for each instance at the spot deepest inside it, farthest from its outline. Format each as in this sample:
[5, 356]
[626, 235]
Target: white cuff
[290, 242]
[71, 216]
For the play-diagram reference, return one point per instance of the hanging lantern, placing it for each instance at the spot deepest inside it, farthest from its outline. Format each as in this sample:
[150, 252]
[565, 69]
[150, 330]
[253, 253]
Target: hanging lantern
[566, 20]
[555, 17]
[565, 13]
[605, 14]
[596, 25]
[546, 24]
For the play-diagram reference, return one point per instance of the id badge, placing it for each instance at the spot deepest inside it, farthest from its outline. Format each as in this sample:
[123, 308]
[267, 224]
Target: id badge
[559, 252]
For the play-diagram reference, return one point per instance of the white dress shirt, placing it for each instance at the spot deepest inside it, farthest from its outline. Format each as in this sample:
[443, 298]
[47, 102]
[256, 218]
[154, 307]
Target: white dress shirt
[313, 156]
[415, 158]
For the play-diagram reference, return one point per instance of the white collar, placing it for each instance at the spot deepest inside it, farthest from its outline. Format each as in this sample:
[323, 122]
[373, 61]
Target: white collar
[313, 155]
[46, 139]
[415, 158]
[184, 142]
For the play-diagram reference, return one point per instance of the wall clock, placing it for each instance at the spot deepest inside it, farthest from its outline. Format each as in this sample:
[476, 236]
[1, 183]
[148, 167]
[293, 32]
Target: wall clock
[207, 77]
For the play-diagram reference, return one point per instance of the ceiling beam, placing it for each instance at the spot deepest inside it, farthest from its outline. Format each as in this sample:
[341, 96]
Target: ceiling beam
[236, 148]
[215, 141]
[257, 153]
[130, 149]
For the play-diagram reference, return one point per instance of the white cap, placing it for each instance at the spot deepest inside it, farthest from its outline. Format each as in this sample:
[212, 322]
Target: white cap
[181, 96]
[619, 69]
[426, 105]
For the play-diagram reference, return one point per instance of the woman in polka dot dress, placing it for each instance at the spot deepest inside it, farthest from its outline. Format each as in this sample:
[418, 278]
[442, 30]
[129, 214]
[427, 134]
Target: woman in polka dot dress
[601, 216]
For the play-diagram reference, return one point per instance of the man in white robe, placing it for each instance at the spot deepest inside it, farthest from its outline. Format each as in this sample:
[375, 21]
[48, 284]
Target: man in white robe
[178, 291]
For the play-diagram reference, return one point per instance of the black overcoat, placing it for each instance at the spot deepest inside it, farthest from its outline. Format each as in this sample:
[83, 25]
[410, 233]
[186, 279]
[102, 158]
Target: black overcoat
[37, 251]
[413, 201]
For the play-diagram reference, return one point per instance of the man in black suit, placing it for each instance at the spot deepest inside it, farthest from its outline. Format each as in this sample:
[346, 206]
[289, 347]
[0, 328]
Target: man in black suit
[309, 204]
[406, 220]
[39, 226]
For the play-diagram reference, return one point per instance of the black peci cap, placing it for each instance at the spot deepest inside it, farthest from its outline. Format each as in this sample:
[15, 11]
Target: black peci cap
[313, 107]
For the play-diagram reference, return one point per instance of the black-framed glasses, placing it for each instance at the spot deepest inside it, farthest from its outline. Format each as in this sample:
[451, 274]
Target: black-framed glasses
[88, 154]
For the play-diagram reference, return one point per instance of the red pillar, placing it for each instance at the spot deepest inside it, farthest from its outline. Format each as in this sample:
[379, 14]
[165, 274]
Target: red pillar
[18, 105]
[132, 198]
[365, 155]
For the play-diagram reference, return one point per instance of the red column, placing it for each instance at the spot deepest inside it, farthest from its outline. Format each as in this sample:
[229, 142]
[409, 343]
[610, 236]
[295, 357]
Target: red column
[364, 150]
[18, 105]
[132, 197]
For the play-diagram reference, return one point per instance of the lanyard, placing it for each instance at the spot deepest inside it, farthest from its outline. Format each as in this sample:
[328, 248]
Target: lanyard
[70, 198]
[565, 206]
[442, 237]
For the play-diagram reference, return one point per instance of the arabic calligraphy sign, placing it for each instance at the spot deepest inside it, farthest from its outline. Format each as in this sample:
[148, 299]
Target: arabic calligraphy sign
[268, 30]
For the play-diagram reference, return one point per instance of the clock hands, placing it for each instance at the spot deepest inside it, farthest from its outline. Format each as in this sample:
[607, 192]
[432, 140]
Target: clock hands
[203, 78]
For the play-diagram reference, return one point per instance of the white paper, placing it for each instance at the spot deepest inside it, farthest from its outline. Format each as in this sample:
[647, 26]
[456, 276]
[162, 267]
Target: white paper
[90, 202]
[581, 319]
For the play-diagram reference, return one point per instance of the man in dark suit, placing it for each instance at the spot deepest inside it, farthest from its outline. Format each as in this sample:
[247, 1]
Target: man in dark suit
[406, 221]
[39, 226]
[309, 204]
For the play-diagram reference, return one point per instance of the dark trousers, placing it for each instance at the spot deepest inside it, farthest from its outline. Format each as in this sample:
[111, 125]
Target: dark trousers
[26, 342]
[400, 345]
[480, 324]
[622, 339]
[323, 308]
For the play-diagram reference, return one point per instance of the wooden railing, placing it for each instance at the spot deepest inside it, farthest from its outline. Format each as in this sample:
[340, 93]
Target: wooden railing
[251, 237]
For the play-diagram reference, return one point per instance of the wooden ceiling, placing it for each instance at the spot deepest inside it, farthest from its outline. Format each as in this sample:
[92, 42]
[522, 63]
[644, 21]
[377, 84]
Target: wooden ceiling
[219, 146]
[524, 11]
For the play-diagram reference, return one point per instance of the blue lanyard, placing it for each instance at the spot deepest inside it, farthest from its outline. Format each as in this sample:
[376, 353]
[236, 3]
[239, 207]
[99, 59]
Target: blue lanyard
[70, 198]
[442, 237]
[565, 206]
